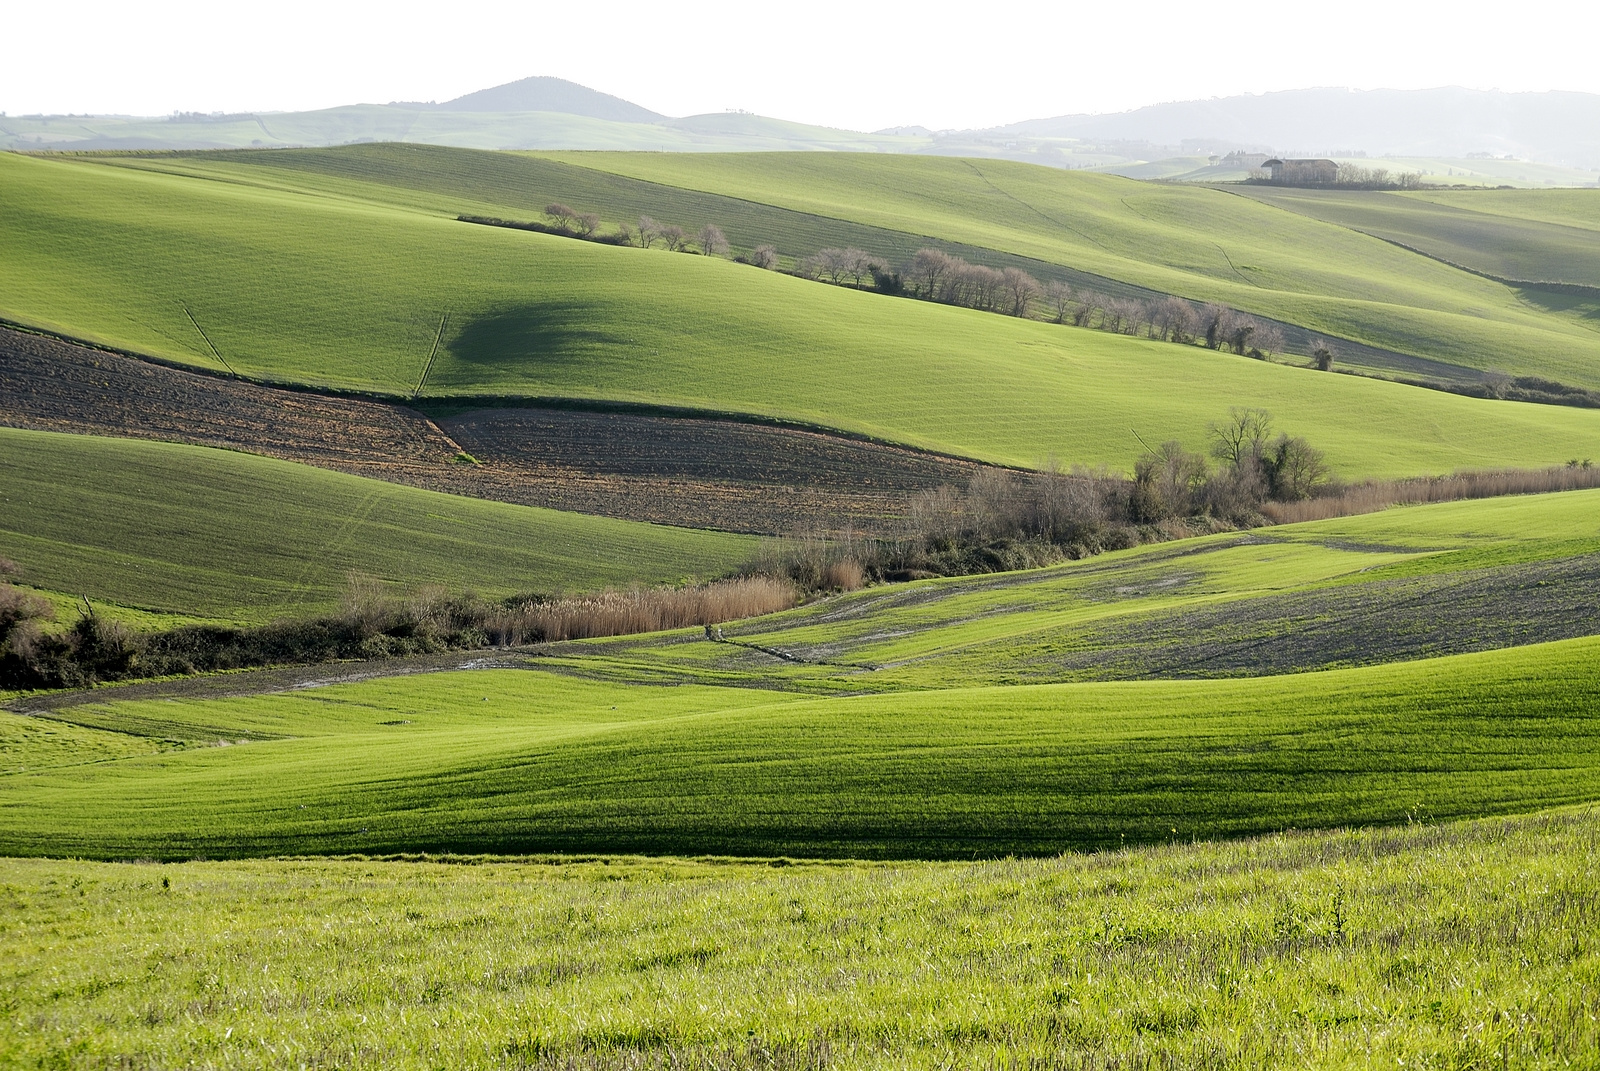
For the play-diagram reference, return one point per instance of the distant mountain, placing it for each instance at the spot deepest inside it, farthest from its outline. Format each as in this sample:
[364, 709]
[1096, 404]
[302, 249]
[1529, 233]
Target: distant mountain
[1557, 128]
[545, 94]
[1162, 141]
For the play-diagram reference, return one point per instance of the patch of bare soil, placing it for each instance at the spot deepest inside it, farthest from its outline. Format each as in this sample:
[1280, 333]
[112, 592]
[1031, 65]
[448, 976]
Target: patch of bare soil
[669, 470]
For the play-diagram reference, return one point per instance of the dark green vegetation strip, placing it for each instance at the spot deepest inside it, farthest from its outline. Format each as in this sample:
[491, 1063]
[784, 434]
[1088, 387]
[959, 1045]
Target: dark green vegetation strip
[510, 761]
[231, 536]
[1468, 945]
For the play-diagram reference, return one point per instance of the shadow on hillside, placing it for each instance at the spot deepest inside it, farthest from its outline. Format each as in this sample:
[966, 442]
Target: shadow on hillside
[536, 333]
[1584, 304]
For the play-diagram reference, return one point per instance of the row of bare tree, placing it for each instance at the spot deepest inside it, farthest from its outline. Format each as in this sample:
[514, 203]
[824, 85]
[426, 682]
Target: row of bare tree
[708, 240]
[935, 275]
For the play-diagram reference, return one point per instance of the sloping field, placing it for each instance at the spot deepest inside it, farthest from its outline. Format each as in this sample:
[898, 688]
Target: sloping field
[1199, 243]
[663, 470]
[521, 761]
[1464, 229]
[518, 186]
[1408, 583]
[281, 286]
[225, 535]
[1467, 945]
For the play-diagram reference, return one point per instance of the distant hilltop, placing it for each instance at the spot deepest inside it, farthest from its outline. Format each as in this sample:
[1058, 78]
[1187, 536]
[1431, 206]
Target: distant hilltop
[1439, 132]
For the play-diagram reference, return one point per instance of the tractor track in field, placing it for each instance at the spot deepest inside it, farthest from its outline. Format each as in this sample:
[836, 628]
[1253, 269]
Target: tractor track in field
[693, 472]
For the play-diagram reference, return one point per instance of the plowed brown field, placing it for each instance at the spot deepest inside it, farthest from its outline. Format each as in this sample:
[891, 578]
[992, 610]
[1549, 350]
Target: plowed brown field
[671, 470]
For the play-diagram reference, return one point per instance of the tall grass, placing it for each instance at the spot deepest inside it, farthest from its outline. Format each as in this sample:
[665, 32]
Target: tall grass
[623, 613]
[1464, 946]
[1374, 495]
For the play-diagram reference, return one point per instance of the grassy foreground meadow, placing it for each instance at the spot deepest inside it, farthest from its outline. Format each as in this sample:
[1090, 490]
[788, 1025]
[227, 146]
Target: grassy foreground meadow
[1469, 945]
[334, 292]
[523, 760]
[214, 534]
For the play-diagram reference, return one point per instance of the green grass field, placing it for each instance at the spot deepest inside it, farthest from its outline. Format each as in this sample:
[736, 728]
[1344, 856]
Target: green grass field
[1467, 229]
[184, 530]
[530, 761]
[343, 293]
[1201, 243]
[1468, 945]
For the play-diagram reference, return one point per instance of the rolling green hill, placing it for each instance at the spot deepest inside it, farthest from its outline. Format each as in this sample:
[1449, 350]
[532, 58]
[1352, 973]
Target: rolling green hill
[214, 534]
[527, 761]
[1200, 243]
[337, 292]
[1466, 229]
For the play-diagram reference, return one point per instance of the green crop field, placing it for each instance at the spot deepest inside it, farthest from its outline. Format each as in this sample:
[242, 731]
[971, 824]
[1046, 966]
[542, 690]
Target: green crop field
[337, 292]
[1468, 945]
[221, 535]
[1455, 229]
[520, 760]
[1200, 243]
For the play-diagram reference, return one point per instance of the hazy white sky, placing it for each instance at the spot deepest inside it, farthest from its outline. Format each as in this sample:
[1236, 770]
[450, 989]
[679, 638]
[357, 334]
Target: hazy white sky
[863, 65]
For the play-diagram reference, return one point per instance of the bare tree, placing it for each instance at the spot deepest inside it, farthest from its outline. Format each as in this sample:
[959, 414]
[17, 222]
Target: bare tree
[858, 263]
[1268, 338]
[649, 231]
[808, 267]
[984, 286]
[675, 237]
[764, 256]
[560, 216]
[1240, 330]
[1296, 469]
[1166, 481]
[1173, 318]
[586, 223]
[625, 234]
[1090, 303]
[712, 241]
[1242, 438]
[1113, 315]
[928, 269]
[1059, 296]
[834, 263]
[1020, 290]
[1137, 314]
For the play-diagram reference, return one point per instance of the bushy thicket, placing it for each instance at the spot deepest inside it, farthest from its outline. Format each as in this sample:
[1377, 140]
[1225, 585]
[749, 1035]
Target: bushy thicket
[371, 624]
[1006, 520]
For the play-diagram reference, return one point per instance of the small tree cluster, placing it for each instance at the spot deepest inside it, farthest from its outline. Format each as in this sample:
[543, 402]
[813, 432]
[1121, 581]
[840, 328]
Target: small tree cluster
[565, 220]
[1377, 178]
[935, 275]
